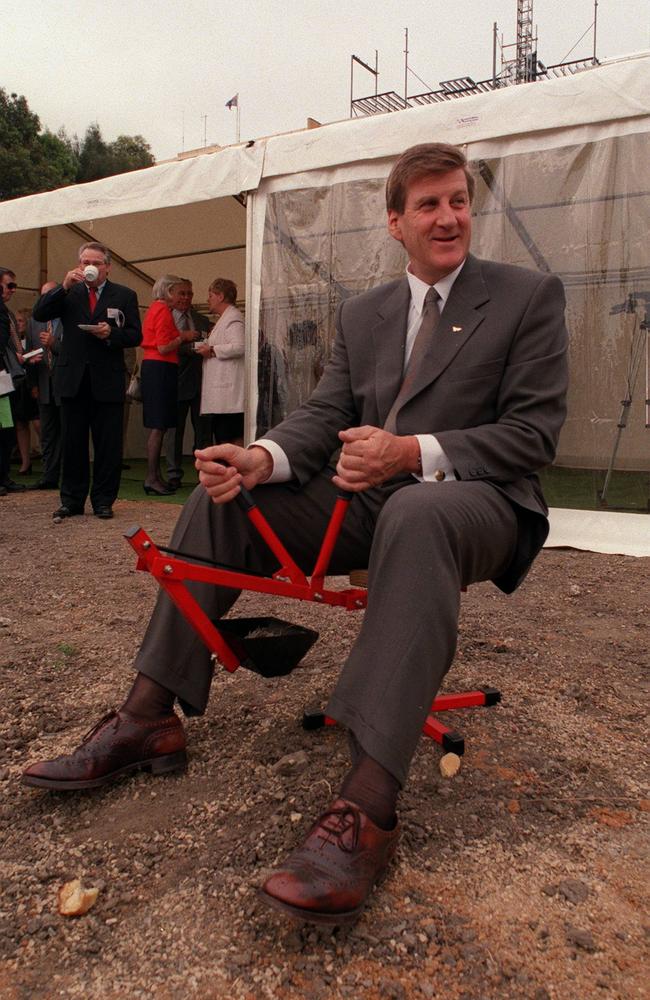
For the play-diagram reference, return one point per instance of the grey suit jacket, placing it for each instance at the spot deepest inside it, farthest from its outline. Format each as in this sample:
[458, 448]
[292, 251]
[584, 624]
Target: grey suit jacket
[42, 373]
[491, 387]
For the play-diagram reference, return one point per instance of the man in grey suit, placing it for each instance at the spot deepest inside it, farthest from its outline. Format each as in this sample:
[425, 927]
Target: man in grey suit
[48, 337]
[190, 368]
[446, 390]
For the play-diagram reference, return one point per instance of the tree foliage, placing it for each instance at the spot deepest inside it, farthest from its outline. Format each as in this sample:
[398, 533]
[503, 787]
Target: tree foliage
[32, 160]
[98, 158]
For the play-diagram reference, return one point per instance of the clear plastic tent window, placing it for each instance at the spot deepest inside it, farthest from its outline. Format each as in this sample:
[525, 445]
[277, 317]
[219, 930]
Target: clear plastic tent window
[580, 211]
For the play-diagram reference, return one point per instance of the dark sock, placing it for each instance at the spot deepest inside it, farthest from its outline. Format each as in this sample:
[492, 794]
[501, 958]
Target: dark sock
[149, 700]
[374, 789]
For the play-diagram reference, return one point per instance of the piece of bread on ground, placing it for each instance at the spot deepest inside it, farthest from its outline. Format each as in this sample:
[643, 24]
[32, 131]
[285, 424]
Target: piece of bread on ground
[74, 900]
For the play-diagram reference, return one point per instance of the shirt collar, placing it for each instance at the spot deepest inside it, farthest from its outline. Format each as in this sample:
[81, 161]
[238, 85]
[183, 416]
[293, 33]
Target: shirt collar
[420, 288]
[99, 289]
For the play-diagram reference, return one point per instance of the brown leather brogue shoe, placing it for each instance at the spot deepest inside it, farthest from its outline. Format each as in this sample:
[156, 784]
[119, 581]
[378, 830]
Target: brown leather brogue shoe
[329, 878]
[119, 743]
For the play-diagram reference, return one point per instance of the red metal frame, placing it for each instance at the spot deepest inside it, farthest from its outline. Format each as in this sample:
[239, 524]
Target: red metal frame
[173, 570]
[449, 739]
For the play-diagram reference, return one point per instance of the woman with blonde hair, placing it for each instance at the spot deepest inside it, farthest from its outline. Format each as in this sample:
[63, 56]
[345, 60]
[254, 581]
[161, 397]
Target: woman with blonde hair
[159, 374]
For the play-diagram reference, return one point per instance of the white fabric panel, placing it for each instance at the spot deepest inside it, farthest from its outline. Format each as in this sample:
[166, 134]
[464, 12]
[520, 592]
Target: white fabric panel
[599, 531]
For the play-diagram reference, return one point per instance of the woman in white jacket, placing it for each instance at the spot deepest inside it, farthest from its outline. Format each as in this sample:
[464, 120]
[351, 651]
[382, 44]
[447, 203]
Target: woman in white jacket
[222, 388]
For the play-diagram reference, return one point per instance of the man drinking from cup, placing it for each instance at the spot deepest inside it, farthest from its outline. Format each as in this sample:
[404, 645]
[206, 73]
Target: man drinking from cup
[100, 319]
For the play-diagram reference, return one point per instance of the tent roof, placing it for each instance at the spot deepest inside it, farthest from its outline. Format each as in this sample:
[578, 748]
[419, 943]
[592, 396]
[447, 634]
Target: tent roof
[617, 91]
[219, 174]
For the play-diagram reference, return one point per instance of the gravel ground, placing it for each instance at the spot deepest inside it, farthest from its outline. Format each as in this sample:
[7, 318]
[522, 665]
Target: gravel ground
[524, 876]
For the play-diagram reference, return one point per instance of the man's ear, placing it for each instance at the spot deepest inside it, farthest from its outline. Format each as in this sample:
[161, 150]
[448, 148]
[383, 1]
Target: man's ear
[394, 227]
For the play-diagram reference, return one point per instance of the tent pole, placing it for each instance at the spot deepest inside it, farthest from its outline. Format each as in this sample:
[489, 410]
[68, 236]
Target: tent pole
[43, 257]
[252, 315]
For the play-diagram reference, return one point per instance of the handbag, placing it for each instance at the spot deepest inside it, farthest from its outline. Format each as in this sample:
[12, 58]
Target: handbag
[134, 389]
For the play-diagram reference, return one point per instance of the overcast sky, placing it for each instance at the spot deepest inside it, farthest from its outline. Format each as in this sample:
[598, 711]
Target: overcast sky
[158, 67]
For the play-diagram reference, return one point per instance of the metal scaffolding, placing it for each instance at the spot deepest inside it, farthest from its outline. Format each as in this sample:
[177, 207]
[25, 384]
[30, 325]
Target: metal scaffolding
[523, 67]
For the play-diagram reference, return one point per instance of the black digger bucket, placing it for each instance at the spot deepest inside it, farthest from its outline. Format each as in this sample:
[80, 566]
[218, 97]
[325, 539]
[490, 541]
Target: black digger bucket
[268, 646]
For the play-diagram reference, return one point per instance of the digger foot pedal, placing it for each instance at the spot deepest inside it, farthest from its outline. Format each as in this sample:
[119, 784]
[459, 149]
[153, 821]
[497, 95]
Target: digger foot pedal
[492, 695]
[453, 742]
[316, 719]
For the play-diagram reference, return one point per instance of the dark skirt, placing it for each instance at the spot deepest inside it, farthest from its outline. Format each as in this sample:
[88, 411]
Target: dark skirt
[23, 405]
[159, 385]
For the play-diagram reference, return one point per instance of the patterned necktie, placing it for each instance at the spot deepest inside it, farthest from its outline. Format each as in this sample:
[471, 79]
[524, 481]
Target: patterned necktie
[48, 350]
[430, 319]
[183, 322]
[92, 299]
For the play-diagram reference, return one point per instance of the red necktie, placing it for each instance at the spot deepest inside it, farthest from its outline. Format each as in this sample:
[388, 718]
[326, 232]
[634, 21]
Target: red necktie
[92, 298]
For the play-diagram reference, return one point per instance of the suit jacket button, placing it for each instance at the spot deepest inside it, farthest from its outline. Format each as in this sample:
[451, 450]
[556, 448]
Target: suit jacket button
[438, 475]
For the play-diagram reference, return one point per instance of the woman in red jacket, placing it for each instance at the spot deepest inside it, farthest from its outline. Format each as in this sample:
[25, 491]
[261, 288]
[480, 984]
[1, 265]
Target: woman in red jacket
[159, 374]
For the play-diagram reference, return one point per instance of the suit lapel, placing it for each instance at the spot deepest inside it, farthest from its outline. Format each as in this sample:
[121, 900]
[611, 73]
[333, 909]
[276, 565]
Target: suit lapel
[459, 320]
[389, 338]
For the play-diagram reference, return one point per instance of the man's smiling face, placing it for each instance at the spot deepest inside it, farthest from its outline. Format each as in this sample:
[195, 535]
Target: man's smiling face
[435, 227]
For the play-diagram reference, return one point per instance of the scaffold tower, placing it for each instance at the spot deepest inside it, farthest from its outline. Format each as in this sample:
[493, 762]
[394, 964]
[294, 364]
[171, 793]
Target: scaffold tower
[524, 62]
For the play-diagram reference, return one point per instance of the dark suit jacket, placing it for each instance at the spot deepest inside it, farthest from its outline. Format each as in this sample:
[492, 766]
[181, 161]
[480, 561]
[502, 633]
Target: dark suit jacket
[491, 387]
[190, 364]
[4, 330]
[104, 358]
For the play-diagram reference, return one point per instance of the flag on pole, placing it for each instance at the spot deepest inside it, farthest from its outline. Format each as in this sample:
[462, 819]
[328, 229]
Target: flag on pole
[233, 102]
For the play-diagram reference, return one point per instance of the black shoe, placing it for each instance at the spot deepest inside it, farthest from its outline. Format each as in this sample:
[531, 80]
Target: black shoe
[174, 483]
[3, 491]
[149, 490]
[104, 512]
[12, 487]
[64, 511]
[41, 485]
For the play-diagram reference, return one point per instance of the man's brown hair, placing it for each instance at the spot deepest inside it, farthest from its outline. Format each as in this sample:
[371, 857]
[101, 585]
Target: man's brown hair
[418, 161]
[226, 288]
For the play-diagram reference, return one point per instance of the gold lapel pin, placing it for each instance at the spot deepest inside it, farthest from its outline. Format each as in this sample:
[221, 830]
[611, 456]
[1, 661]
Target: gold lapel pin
[456, 329]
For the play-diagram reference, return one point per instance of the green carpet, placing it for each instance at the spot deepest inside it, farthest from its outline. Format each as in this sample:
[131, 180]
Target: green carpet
[131, 486]
[132, 483]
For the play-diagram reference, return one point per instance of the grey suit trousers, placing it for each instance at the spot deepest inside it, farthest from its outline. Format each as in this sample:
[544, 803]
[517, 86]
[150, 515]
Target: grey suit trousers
[421, 541]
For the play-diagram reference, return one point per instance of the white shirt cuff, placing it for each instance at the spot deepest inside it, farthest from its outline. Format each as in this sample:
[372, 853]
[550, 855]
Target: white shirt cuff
[434, 461]
[281, 468]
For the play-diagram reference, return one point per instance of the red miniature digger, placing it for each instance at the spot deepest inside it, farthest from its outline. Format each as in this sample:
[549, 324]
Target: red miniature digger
[269, 646]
